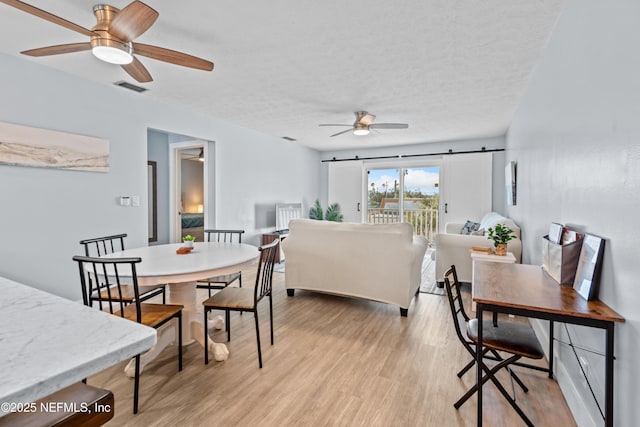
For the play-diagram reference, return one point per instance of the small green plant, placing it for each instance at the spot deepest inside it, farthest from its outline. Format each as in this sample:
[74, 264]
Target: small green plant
[189, 238]
[332, 213]
[316, 211]
[500, 234]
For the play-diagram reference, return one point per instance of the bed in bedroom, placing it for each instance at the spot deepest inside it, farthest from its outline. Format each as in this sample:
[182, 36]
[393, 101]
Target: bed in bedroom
[193, 223]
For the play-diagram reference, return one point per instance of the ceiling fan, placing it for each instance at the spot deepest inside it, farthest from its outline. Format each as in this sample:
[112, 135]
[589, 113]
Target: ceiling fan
[111, 39]
[364, 122]
[192, 154]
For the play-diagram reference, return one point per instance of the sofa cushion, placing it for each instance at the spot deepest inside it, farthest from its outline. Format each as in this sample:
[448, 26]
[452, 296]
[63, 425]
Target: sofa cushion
[491, 219]
[469, 227]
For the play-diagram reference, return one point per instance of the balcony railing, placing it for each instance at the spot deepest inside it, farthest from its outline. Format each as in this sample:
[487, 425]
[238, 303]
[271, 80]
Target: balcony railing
[424, 221]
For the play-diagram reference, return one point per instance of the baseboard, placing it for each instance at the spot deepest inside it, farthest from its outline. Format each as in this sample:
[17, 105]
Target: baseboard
[577, 406]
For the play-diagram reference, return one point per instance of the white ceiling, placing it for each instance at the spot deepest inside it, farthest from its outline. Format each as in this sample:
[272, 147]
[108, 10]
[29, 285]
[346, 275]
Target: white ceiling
[451, 69]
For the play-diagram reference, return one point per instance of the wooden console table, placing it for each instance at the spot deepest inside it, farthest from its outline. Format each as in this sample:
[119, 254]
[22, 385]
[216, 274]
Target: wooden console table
[526, 290]
[270, 237]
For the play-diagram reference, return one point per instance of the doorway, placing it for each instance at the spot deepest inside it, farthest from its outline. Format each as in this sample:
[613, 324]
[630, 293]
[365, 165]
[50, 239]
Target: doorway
[190, 189]
[192, 193]
[408, 194]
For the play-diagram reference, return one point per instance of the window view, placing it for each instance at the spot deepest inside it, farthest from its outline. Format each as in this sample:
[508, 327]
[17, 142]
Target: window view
[405, 195]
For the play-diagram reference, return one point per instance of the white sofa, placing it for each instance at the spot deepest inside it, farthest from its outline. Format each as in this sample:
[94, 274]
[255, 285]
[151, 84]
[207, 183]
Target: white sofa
[453, 248]
[380, 262]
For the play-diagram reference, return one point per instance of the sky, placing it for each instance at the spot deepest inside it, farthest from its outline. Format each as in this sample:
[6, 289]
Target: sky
[421, 179]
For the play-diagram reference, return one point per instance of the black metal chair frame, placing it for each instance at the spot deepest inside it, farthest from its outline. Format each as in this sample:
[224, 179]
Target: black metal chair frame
[226, 280]
[110, 269]
[108, 245]
[457, 308]
[263, 288]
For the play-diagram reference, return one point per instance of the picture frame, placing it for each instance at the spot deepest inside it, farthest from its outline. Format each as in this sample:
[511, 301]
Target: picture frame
[44, 148]
[587, 280]
[510, 181]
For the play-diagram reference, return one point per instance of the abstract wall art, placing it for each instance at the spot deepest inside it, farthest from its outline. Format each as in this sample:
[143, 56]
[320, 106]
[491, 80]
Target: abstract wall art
[28, 146]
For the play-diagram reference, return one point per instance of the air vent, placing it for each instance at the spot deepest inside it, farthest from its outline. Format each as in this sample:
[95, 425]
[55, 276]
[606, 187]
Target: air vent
[288, 138]
[130, 86]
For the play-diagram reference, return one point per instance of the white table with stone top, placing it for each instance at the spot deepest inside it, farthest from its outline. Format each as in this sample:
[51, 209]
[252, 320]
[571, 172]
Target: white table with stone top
[161, 265]
[48, 343]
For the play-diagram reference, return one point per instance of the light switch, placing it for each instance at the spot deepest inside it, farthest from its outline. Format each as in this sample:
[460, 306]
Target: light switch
[135, 200]
[125, 201]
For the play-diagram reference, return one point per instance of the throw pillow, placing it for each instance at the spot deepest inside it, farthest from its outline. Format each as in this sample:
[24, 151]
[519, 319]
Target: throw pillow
[469, 227]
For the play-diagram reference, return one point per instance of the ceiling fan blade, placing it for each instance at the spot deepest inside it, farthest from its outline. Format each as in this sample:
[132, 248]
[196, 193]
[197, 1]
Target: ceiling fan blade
[389, 126]
[172, 56]
[367, 119]
[58, 49]
[133, 20]
[138, 71]
[327, 124]
[340, 133]
[47, 16]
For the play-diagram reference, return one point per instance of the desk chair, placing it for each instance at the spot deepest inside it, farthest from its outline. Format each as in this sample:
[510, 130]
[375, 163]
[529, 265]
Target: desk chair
[516, 339]
[222, 281]
[246, 299]
[100, 246]
[111, 271]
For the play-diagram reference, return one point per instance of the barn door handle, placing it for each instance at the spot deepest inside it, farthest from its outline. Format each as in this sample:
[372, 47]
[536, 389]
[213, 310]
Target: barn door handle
[446, 206]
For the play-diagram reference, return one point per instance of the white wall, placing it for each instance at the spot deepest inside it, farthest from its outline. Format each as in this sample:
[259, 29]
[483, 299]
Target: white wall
[498, 193]
[576, 138]
[45, 212]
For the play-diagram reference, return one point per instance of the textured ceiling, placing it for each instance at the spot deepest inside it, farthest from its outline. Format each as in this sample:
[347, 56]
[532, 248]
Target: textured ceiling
[451, 69]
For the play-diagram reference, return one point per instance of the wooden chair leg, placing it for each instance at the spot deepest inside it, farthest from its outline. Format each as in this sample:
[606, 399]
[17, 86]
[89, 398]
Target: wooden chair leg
[206, 336]
[255, 313]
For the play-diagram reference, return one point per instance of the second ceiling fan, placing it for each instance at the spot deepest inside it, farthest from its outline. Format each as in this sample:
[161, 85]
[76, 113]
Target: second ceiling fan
[111, 39]
[363, 124]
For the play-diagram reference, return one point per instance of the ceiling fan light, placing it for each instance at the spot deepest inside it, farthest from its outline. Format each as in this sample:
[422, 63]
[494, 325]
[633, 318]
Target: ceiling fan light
[112, 51]
[361, 132]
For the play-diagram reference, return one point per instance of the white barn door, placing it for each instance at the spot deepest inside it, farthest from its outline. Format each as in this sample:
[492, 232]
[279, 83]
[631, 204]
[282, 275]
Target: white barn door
[465, 187]
[346, 189]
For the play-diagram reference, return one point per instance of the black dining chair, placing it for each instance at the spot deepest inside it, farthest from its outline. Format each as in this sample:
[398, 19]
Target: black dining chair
[112, 272]
[224, 280]
[246, 299]
[100, 246]
[516, 339]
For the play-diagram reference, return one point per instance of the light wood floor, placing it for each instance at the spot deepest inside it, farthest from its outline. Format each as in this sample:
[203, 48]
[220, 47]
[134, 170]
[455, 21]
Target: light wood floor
[336, 361]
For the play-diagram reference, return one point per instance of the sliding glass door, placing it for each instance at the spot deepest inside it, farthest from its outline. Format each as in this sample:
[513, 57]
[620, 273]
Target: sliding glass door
[408, 194]
[421, 199]
[384, 196]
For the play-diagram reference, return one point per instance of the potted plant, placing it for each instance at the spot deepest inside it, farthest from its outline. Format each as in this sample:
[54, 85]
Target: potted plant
[501, 235]
[188, 241]
[332, 213]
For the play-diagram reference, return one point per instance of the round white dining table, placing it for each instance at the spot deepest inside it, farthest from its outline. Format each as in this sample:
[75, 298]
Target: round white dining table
[162, 265]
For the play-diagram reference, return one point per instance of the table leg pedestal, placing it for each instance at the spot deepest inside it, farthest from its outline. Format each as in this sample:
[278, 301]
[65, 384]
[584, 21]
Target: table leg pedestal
[192, 328]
